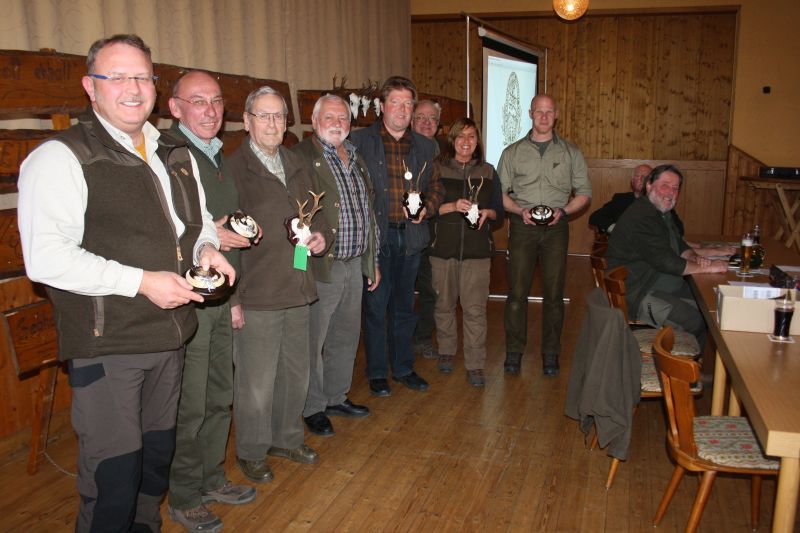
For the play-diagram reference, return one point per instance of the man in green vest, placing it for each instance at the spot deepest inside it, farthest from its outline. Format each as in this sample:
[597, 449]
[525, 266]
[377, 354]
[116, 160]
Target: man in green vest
[110, 217]
[197, 475]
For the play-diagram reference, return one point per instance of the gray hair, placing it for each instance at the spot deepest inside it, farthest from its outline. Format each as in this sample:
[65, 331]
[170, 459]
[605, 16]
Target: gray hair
[436, 106]
[258, 93]
[326, 98]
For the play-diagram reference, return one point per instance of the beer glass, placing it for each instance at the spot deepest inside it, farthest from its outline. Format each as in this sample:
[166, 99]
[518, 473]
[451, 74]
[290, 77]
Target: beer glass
[784, 310]
[747, 253]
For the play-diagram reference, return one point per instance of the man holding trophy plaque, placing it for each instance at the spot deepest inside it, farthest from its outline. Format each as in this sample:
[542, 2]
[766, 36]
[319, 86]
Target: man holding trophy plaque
[539, 174]
[337, 168]
[400, 163]
[271, 342]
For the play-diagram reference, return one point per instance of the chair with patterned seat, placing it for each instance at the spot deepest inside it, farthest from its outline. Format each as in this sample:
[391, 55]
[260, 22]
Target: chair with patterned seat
[707, 444]
[685, 343]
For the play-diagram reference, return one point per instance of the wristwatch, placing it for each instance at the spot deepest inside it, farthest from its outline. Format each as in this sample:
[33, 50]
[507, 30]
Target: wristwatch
[564, 214]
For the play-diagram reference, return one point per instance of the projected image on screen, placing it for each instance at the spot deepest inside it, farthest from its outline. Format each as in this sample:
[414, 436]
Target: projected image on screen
[509, 86]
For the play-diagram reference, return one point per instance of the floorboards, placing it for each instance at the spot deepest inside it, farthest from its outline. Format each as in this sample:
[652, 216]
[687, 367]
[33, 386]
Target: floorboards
[456, 458]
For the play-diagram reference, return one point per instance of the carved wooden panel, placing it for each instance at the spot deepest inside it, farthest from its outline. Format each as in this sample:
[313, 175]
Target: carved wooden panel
[11, 263]
[32, 334]
[45, 83]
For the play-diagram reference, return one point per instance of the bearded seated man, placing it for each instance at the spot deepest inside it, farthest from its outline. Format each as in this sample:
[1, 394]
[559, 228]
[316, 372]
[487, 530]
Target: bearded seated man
[647, 242]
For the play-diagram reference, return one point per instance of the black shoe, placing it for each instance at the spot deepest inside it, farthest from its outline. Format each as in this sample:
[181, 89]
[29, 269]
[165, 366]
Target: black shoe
[550, 366]
[379, 387]
[319, 424]
[413, 382]
[512, 364]
[347, 409]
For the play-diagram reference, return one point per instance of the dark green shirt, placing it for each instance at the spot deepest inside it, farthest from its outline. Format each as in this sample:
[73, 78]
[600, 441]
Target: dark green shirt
[649, 245]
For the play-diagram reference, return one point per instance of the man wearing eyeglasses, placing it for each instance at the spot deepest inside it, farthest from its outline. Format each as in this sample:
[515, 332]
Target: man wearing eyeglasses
[426, 122]
[110, 217]
[197, 475]
[271, 344]
[397, 159]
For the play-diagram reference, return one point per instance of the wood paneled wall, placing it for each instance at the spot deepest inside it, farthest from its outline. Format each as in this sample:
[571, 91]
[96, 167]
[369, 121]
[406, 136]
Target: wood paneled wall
[629, 86]
[746, 206]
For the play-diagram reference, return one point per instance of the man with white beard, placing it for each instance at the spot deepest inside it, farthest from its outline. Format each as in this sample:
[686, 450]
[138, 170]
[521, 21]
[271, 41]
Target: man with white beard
[335, 324]
[646, 241]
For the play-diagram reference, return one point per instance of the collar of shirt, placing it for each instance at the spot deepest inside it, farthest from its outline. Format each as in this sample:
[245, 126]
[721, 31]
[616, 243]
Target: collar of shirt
[331, 149]
[404, 140]
[210, 149]
[150, 133]
[555, 139]
[272, 162]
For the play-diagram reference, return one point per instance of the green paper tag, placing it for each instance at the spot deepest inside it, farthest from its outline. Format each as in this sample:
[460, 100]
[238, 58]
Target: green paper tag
[300, 257]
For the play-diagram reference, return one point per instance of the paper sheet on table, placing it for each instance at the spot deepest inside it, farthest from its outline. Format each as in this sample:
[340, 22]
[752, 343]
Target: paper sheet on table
[761, 291]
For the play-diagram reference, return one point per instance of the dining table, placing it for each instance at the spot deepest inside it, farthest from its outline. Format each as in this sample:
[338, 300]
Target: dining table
[760, 377]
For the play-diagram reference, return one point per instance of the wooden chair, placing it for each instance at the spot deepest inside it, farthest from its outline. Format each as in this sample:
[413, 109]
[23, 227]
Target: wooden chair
[707, 444]
[685, 343]
[651, 388]
[599, 265]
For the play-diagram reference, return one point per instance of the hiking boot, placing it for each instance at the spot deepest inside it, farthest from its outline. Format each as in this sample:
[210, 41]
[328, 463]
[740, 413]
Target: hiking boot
[197, 519]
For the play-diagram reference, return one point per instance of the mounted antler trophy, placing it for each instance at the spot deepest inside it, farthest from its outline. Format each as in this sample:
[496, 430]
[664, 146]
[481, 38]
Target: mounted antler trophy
[473, 215]
[299, 228]
[413, 199]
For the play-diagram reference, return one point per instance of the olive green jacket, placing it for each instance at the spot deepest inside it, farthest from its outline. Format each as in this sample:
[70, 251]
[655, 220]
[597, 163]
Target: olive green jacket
[324, 180]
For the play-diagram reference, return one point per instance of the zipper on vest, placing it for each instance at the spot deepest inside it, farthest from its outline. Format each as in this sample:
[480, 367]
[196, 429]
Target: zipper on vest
[99, 316]
[180, 256]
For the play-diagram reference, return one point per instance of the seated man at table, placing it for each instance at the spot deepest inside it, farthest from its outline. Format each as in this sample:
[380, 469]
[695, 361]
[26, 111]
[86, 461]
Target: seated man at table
[606, 217]
[647, 242]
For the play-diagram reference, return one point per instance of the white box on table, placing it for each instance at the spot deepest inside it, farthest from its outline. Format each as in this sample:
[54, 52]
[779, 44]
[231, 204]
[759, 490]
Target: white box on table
[735, 312]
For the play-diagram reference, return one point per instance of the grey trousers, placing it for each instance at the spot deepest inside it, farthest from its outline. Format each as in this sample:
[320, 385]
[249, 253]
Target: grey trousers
[123, 411]
[335, 328]
[467, 281]
[271, 360]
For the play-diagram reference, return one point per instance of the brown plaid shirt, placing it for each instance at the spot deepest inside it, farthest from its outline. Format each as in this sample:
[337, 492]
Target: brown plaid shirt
[396, 157]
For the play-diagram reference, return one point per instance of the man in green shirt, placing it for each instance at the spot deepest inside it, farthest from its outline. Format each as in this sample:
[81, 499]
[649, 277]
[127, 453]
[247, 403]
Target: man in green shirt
[197, 474]
[539, 169]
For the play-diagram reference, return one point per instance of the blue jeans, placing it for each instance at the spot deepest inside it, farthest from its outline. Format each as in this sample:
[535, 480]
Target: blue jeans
[389, 317]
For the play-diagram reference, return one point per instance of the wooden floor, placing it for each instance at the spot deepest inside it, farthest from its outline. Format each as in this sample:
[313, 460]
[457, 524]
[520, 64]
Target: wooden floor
[453, 459]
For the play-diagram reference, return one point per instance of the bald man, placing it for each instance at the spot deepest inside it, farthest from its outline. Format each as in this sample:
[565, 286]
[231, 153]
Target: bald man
[541, 168]
[197, 473]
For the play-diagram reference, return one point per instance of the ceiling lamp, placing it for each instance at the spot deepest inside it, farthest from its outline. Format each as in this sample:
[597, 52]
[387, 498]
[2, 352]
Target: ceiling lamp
[570, 9]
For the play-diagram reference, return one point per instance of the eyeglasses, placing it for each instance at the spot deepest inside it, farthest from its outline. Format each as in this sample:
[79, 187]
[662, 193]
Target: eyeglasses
[424, 118]
[264, 118]
[200, 102]
[118, 79]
